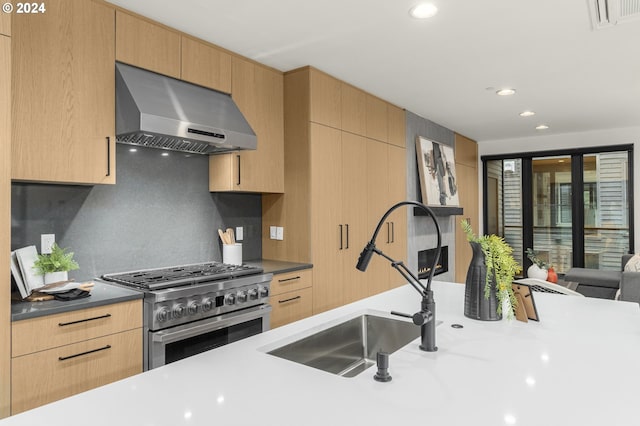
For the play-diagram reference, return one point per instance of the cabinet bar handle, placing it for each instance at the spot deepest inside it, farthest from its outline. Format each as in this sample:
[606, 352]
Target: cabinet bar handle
[64, 358]
[237, 156]
[289, 300]
[388, 233]
[340, 236]
[347, 226]
[62, 324]
[289, 279]
[393, 232]
[108, 156]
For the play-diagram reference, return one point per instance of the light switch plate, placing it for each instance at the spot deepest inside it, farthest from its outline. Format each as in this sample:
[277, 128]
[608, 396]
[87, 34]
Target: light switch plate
[279, 233]
[46, 242]
[239, 233]
[272, 232]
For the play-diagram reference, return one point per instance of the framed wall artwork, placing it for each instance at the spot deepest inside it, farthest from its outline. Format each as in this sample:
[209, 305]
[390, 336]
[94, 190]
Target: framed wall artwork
[437, 170]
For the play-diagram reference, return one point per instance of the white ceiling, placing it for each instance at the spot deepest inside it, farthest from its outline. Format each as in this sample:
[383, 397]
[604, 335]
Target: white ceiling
[574, 78]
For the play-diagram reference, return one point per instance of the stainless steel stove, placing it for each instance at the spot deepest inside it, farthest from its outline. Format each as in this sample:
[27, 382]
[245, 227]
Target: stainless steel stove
[194, 308]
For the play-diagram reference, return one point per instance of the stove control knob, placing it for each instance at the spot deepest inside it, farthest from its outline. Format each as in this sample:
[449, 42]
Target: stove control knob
[253, 294]
[264, 291]
[242, 296]
[162, 314]
[178, 310]
[192, 308]
[207, 304]
[230, 299]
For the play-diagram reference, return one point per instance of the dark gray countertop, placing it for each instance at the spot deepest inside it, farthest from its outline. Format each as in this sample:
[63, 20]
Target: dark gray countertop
[105, 294]
[278, 266]
[101, 294]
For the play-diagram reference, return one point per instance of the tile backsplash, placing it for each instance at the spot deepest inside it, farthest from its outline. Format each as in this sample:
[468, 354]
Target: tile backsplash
[159, 213]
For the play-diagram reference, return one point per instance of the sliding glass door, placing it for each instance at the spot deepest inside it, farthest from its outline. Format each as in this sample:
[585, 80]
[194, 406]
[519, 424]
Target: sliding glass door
[552, 211]
[573, 208]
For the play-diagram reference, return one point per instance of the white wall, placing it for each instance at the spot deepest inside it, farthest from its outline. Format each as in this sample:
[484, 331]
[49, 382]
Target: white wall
[627, 135]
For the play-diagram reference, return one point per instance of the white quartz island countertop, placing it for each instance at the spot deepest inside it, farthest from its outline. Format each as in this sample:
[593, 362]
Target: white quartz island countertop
[580, 365]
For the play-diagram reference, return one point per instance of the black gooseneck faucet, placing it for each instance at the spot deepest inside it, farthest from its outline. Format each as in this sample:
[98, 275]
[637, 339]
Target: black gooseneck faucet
[426, 317]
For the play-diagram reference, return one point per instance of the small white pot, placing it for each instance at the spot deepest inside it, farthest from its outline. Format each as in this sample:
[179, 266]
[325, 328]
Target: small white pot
[535, 271]
[55, 277]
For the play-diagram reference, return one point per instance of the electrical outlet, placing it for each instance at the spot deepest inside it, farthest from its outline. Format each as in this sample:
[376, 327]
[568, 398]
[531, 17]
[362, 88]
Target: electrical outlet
[272, 232]
[279, 233]
[239, 233]
[46, 242]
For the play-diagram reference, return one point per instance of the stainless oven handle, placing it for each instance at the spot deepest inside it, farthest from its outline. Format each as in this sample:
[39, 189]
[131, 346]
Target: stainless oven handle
[210, 324]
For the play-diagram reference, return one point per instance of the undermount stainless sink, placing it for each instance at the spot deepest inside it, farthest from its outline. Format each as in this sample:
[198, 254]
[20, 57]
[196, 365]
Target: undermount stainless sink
[349, 348]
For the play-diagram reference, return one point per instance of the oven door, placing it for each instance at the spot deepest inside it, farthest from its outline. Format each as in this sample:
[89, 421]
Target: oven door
[176, 343]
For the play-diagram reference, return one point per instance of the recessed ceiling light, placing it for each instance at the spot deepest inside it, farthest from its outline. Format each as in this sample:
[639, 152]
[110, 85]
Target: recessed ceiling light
[133, 150]
[165, 154]
[423, 10]
[527, 113]
[506, 92]
[542, 127]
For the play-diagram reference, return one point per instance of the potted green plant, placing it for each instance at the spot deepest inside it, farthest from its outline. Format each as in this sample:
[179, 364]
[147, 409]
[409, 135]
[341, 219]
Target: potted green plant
[55, 266]
[538, 268]
[490, 275]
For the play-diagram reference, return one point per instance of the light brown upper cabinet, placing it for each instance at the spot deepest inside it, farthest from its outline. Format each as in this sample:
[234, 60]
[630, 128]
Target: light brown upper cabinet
[147, 45]
[376, 119]
[354, 110]
[206, 65]
[396, 126]
[258, 92]
[325, 99]
[466, 151]
[5, 24]
[63, 101]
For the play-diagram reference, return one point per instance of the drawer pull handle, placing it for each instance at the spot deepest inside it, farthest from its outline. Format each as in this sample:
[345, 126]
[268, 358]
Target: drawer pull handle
[62, 324]
[289, 279]
[64, 358]
[289, 300]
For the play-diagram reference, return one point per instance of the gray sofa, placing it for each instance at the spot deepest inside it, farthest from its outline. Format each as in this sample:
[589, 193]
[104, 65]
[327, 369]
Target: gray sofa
[605, 284]
[629, 283]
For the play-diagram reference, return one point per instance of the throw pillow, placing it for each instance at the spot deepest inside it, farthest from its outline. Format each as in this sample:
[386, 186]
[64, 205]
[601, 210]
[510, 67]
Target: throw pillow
[633, 265]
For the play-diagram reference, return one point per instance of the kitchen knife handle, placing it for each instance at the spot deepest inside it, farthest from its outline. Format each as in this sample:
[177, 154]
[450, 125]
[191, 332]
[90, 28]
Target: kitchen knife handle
[238, 157]
[340, 226]
[108, 156]
[62, 324]
[64, 358]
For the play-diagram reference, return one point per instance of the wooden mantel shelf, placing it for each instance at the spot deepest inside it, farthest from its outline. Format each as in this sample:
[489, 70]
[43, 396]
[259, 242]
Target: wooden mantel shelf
[440, 211]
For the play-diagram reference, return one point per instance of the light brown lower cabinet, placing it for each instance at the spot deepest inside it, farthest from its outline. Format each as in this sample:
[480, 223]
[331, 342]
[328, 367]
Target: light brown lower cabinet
[60, 355]
[291, 297]
[57, 373]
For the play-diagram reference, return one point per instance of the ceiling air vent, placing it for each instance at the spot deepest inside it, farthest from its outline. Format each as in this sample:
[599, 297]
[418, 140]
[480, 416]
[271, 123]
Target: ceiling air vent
[607, 13]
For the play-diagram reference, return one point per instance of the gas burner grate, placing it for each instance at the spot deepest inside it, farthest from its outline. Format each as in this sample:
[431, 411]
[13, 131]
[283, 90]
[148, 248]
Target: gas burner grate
[177, 276]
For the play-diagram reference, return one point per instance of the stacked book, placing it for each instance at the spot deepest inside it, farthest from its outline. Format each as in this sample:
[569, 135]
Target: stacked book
[29, 282]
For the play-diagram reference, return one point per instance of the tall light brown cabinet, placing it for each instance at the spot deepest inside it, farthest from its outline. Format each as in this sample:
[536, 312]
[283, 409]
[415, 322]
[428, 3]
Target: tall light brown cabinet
[345, 165]
[466, 151]
[5, 213]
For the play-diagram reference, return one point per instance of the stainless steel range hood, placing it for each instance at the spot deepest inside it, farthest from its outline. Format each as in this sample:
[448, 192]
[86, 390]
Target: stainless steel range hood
[156, 111]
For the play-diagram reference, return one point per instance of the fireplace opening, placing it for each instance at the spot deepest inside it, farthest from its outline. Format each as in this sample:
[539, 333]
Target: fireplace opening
[425, 260]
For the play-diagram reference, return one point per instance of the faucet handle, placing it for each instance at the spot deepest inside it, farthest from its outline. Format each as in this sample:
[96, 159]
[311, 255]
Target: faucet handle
[422, 317]
[382, 359]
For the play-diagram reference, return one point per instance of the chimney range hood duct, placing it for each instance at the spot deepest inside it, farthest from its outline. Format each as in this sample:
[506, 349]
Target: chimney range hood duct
[157, 111]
